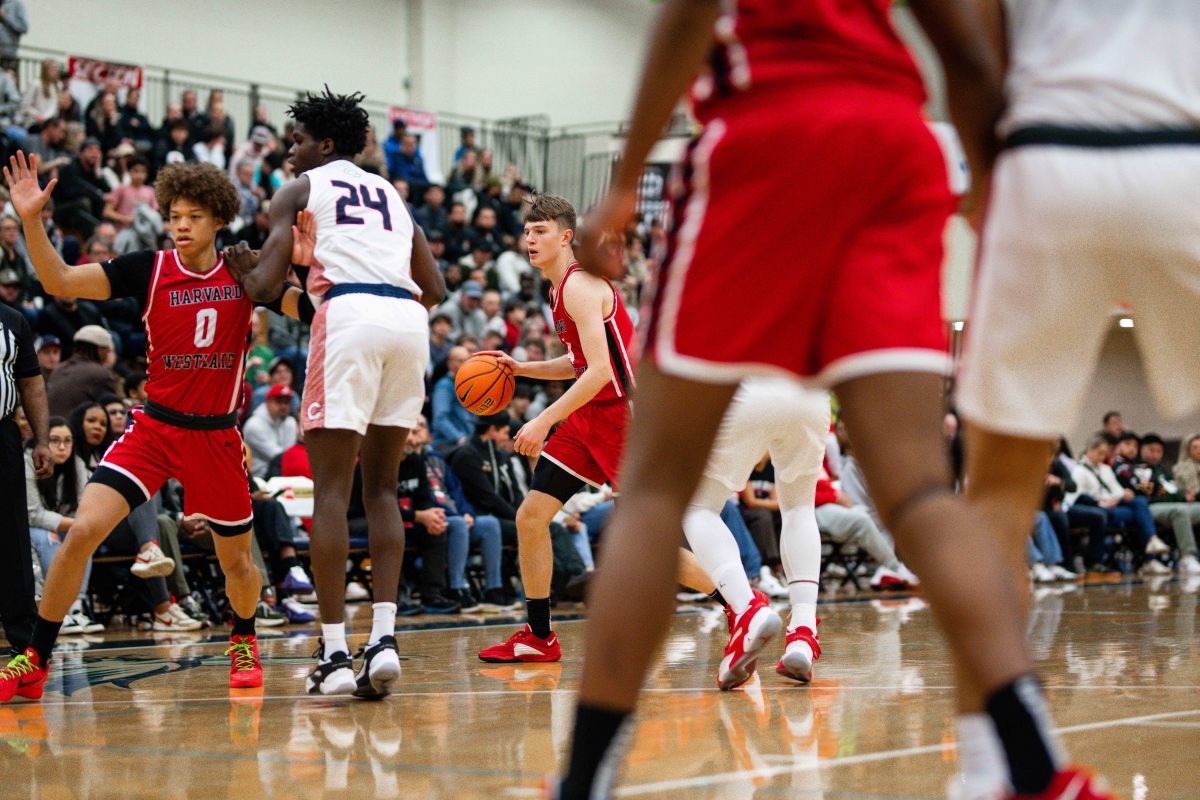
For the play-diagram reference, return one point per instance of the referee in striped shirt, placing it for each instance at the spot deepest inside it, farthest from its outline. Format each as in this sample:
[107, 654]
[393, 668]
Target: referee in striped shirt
[20, 383]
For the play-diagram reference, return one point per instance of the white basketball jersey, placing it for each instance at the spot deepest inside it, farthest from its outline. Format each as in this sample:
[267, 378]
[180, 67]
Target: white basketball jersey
[1112, 64]
[364, 230]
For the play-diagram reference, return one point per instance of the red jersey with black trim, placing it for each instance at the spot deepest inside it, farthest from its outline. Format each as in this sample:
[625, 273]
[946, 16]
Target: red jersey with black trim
[197, 330]
[762, 46]
[618, 331]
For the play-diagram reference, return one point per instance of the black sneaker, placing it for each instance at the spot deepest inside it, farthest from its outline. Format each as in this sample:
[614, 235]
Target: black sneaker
[437, 604]
[407, 607]
[380, 669]
[465, 599]
[496, 600]
[332, 676]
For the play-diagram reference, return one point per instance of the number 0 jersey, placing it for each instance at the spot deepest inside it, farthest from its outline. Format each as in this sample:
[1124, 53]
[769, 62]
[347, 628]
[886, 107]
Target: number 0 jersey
[364, 230]
[197, 330]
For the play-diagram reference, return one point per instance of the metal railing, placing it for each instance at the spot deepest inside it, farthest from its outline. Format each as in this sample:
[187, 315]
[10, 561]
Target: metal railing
[573, 161]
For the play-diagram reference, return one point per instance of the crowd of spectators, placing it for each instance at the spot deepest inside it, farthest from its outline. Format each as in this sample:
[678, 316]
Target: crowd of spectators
[1123, 504]
[461, 482]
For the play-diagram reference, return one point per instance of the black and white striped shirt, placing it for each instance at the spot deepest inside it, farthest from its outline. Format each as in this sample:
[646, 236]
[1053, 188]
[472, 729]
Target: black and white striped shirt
[18, 359]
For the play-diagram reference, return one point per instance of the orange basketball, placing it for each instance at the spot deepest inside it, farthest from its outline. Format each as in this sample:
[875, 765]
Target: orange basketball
[484, 385]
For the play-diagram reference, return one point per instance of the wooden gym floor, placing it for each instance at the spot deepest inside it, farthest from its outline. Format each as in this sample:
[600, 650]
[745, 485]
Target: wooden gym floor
[145, 718]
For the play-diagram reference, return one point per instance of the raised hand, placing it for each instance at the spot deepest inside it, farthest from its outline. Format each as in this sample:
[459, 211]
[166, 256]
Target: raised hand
[601, 237]
[304, 238]
[28, 198]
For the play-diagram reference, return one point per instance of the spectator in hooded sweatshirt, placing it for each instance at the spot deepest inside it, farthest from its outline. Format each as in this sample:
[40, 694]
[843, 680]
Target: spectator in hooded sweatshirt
[271, 429]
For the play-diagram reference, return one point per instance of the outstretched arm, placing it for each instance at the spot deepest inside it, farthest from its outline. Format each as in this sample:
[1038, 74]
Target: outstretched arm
[28, 198]
[968, 38]
[264, 278]
[681, 39]
[424, 268]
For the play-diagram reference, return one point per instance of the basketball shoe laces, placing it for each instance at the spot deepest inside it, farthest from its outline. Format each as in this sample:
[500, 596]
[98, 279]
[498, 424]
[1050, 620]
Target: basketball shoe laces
[243, 655]
[20, 665]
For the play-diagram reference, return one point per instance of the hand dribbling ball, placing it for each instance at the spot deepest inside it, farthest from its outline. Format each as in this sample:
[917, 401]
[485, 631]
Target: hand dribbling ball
[484, 385]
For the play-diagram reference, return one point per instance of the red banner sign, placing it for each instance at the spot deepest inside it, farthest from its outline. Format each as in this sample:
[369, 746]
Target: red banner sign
[97, 72]
[417, 120]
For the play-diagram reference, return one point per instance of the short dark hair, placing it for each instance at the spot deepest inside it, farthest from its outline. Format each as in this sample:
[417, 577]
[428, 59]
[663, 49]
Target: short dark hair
[491, 422]
[178, 124]
[551, 207]
[136, 161]
[134, 380]
[1152, 438]
[1127, 436]
[203, 184]
[339, 117]
[1110, 414]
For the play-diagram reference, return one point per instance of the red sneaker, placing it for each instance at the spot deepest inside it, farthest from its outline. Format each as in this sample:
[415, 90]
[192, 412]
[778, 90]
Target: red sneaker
[245, 671]
[23, 677]
[749, 633]
[523, 646]
[1072, 783]
[801, 652]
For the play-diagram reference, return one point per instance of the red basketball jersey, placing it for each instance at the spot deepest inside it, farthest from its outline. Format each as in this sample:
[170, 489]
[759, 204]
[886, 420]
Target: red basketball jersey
[764, 45]
[197, 330]
[618, 330]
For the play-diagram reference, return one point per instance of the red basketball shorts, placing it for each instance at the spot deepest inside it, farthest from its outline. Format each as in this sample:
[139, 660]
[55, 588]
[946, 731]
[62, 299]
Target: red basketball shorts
[210, 465]
[588, 444]
[807, 239]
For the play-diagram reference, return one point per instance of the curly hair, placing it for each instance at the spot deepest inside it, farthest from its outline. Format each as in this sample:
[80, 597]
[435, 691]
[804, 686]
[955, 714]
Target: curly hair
[203, 184]
[339, 117]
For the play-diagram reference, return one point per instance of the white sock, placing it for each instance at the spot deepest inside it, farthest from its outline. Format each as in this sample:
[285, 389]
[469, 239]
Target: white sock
[384, 623]
[334, 634]
[981, 757]
[717, 552]
[803, 595]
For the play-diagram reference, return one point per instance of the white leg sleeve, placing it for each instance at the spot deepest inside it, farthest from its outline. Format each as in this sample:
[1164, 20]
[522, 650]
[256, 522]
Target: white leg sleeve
[715, 548]
[800, 551]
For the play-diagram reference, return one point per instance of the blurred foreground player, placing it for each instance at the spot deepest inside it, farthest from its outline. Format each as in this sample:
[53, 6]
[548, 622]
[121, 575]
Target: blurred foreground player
[830, 81]
[1093, 202]
[197, 321]
[373, 277]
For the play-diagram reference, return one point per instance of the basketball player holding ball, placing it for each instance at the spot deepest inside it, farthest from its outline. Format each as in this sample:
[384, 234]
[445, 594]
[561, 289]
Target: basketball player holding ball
[592, 324]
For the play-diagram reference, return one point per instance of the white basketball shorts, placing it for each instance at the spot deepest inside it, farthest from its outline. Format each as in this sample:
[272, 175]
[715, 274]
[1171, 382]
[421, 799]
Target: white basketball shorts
[366, 363]
[1071, 234]
[775, 415]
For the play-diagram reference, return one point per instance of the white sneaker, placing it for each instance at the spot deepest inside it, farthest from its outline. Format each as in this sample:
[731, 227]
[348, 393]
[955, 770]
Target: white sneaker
[1062, 573]
[334, 675]
[72, 626]
[1041, 573]
[909, 576]
[1156, 547]
[962, 787]
[885, 579]
[152, 563]
[1189, 565]
[1155, 567]
[769, 585]
[355, 591]
[690, 597]
[175, 619]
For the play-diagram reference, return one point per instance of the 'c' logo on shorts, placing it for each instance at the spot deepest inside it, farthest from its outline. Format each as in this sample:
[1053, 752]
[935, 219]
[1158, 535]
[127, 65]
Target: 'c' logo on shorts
[314, 411]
